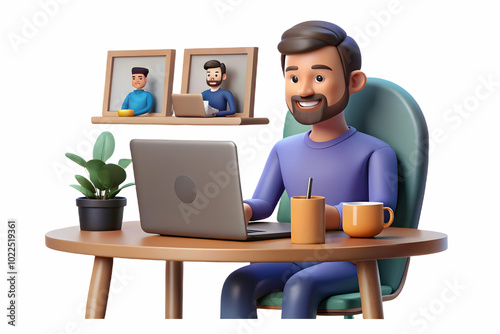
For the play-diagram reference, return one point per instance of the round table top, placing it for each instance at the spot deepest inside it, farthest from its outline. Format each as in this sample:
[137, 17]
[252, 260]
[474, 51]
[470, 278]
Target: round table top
[132, 242]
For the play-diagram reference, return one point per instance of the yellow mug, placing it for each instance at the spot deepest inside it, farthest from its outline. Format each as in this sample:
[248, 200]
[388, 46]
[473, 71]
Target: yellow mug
[126, 112]
[308, 219]
[364, 219]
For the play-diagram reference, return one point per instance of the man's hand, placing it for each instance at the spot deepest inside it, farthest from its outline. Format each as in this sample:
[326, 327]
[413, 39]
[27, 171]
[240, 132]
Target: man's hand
[248, 212]
[332, 217]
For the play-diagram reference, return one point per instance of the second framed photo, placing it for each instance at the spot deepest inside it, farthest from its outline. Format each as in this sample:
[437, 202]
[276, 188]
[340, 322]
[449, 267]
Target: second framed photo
[240, 68]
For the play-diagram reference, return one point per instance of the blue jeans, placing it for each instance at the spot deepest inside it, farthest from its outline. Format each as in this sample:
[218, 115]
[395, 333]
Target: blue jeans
[304, 286]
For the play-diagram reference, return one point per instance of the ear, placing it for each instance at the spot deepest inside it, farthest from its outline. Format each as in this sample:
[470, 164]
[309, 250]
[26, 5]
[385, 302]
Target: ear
[224, 76]
[357, 82]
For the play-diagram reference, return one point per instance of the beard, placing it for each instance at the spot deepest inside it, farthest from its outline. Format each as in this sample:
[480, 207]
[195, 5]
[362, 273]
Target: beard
[214, 83]
[319, 112]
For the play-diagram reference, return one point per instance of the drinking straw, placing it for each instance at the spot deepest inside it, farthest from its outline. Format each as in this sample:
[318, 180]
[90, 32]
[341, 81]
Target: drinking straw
[309, 188]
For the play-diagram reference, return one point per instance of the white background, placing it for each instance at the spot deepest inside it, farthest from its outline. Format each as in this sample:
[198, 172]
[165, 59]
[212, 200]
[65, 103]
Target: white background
[53, 57]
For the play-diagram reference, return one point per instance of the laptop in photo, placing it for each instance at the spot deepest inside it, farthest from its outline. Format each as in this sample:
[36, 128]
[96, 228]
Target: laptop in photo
[191, 105]
[192, 189]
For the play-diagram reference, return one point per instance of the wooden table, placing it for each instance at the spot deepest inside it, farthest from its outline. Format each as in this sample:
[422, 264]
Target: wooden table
[131, 242]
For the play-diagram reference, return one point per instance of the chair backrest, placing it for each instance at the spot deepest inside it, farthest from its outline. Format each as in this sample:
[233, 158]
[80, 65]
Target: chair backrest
[386, 111]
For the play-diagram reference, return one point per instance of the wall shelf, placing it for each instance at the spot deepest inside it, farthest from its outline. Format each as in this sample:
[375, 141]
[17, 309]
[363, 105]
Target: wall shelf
[173, 120]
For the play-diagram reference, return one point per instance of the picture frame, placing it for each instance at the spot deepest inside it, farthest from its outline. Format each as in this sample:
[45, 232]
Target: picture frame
[161, 65]
[241, 70]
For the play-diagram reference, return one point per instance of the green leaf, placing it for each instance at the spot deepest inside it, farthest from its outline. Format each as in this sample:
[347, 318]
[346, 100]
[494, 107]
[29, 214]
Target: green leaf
[114, 193]
[124, 162]
[105, 178]
[85, 183]
[112, 175]
[83, 190]
[104, 146]
[93, 167]
[79, 160]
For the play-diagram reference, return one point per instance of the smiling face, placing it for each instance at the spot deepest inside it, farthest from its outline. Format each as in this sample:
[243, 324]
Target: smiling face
[139, 81]
[215, 77]
[315, 88]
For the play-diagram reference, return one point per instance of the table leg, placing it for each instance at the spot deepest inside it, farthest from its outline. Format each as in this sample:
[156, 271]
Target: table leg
[173, 289]
[97, 299]
[369, 288]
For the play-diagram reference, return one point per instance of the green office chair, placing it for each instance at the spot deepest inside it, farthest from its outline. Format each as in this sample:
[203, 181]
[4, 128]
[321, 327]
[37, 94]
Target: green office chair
[386, 111]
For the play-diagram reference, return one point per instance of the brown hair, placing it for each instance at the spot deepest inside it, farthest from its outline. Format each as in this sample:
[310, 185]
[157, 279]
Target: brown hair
[214, 64]
[313, 35]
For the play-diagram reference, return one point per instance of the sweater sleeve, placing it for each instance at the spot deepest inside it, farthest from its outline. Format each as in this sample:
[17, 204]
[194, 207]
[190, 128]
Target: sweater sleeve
[125, 103]
[382, 171]
[228, 96]
[147, 108]
[230, 102]
[269, 188]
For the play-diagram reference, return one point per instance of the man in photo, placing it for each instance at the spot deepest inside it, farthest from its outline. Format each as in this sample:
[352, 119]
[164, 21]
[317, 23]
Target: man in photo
[139, 101]
[217, 97]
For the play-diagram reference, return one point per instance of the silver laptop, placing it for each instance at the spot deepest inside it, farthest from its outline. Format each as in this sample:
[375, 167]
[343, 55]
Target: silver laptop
[192, 189]
[191, 105]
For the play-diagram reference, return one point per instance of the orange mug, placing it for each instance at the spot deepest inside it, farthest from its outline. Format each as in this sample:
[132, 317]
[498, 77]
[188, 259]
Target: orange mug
[308, 219]
[364, 219]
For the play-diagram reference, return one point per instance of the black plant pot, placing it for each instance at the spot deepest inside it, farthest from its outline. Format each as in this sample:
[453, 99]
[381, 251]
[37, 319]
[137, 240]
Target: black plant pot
[101, 215]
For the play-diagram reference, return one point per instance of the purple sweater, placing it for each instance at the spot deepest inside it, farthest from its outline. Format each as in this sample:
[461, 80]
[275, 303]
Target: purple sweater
[351, 167]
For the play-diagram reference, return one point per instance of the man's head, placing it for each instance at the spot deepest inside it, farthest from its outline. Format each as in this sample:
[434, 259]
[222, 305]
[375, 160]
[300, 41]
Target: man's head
[216, 72]
[321, 66]
[139, 77]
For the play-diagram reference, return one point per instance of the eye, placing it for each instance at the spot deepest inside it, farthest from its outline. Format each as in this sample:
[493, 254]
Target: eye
[294, 79]
[319, 78]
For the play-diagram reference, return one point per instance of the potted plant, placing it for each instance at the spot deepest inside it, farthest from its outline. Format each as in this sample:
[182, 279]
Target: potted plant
[100, 209]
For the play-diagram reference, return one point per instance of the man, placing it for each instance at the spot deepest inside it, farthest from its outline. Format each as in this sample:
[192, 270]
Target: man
[321, 65]
[139, 100]
[218, 98]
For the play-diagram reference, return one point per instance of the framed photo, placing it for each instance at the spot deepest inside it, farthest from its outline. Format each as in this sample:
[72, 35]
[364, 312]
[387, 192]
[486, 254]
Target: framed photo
[160, 64]
[241, 69]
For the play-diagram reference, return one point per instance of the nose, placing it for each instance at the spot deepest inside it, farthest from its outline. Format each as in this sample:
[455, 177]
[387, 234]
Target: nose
[305, 89]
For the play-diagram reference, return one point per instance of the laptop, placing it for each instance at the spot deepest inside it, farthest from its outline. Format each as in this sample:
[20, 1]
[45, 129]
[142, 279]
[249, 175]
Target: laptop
[191, 105]
[192, 189]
